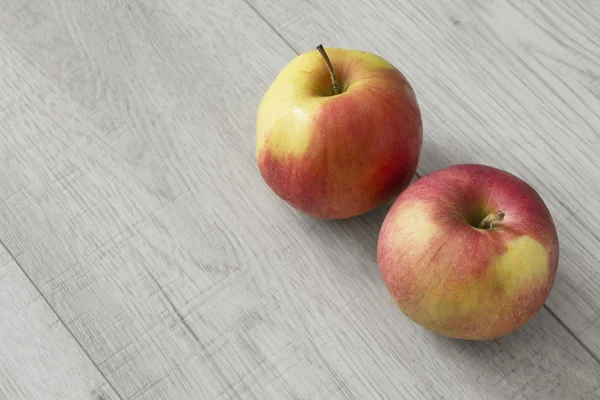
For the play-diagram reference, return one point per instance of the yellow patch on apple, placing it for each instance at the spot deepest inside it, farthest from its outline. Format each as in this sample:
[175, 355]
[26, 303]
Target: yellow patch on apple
[524, 264]
[338, 133]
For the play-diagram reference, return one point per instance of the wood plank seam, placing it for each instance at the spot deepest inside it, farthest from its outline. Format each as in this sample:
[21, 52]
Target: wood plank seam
[61, 321]
[202, 347]
[561, 323]
[266, 21]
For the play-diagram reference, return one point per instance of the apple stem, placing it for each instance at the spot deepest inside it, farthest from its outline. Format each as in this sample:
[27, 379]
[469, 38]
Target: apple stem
[334, 81]
[489, 221]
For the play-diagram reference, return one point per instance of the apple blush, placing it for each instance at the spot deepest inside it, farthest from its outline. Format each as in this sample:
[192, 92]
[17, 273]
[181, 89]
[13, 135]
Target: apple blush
[338, 133]
[469, 252]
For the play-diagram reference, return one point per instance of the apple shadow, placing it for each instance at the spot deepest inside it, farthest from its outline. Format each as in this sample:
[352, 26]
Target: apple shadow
[443, 148]
[351, 244]
[533, 353]
[361, 231]
[440, 149]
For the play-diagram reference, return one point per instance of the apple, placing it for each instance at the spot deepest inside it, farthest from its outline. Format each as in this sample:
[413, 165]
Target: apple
[338, 133]
[469, 252]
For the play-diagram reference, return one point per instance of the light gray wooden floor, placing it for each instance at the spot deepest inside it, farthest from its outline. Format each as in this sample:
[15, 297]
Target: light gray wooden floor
[143, 257]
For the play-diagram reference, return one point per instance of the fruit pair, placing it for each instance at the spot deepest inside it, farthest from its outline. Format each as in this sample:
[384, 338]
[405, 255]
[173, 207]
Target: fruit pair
[469, 251]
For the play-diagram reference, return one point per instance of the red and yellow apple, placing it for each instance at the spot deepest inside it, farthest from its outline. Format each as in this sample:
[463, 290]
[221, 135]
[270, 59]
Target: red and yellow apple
[338, 133]
[469, 252]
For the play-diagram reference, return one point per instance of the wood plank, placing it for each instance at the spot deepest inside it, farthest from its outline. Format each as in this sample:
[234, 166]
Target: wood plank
[128, 195]
[510, 84]
[330, 295]
[135, 206]
[40, 358]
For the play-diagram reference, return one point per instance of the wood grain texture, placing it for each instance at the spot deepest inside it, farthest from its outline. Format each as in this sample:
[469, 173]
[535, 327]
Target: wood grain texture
[127, 196]
[332, 299]
[131, 198]
[513, 84]
[39, 357]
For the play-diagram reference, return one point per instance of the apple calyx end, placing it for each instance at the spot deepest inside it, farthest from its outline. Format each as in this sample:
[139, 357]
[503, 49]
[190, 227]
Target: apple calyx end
[492, 218]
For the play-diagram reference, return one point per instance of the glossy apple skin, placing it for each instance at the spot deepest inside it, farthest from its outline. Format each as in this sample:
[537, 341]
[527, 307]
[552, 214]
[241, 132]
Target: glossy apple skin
[455, 279]
[338, 156]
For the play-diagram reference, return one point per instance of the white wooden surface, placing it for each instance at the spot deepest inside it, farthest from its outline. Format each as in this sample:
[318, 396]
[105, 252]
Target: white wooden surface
[40, 357]
[146, 259]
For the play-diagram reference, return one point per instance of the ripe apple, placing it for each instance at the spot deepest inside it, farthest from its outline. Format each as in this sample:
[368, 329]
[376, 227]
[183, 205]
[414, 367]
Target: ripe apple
[338, 133]
[469, 252]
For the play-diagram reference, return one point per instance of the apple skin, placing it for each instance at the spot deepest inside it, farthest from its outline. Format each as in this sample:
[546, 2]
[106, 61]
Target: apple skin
[458, 280]
[338, 156]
